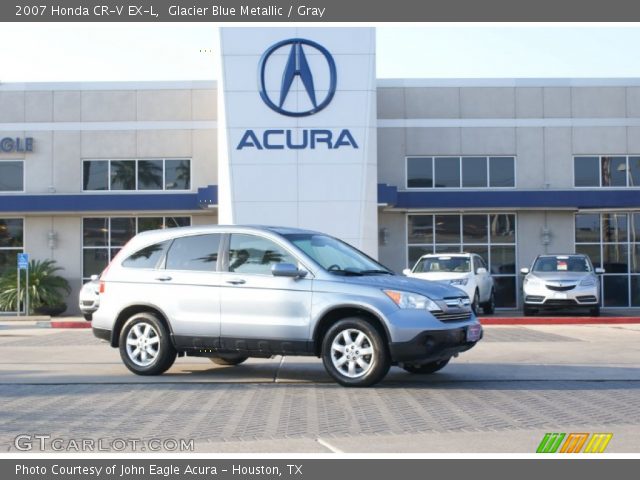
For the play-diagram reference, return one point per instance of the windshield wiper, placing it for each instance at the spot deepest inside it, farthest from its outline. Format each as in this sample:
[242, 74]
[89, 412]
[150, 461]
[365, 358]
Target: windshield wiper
[353, 273]
[376, 272]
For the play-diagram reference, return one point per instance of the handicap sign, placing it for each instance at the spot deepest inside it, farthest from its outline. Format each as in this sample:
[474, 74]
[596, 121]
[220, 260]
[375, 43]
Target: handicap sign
[23, 261]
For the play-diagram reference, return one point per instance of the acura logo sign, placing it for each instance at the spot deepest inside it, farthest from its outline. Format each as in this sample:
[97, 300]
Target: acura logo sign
[297, 66]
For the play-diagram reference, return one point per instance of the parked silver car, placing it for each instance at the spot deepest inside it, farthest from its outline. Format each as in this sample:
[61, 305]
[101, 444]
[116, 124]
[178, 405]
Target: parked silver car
[230, 293]
[561, 282]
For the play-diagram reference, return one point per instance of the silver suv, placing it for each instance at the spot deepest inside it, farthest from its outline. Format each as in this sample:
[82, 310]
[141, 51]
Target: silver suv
[234, 292]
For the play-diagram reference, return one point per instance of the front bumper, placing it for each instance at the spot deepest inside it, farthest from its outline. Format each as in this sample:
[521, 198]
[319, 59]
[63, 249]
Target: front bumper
[432, 345]
[542, 297]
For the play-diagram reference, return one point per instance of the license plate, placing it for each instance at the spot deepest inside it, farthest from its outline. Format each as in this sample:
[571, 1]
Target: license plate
[562, 296]
[473, 333]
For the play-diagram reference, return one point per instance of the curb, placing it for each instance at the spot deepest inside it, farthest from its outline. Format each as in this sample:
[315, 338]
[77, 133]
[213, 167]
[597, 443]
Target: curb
[558, 320]
[67, 324]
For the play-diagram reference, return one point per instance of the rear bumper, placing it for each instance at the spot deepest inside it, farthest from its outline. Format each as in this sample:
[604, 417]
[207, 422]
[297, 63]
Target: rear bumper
[431, 345]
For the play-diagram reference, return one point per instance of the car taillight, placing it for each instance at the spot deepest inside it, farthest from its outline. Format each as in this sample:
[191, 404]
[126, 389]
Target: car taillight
[101, 287]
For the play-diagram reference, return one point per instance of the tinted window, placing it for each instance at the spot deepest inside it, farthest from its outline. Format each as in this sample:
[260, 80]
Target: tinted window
[252, 254]
[420, 229]
[585, 171]
[150, 175]
[11, 176]
[447, 172]
[474, 229]
[474, 172]
[447, 228]
[198, 252]
[95, 175]
[123, 175]
[501, 172]
[177, 174]
[419, 173]
[148, 257]
[614, 172]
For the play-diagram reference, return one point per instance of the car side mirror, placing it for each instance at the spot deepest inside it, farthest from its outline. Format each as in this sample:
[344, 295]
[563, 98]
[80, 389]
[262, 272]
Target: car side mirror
[406, 272]
[95, 278]
[287, 270]
[481, 271]
[524, 271]
[599, 270]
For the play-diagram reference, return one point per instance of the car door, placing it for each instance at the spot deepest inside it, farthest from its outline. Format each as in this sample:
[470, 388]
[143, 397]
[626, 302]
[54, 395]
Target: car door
[191, 281]
[258, 310]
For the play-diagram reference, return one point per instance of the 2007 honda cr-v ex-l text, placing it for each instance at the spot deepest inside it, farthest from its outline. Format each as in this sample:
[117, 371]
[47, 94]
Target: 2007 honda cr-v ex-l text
[232, 292]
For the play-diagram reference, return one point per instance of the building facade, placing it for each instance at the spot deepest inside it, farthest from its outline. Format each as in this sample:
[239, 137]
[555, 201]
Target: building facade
[504, 168]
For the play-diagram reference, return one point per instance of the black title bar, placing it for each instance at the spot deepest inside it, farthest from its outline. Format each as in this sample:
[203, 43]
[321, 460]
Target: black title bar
[320, 11]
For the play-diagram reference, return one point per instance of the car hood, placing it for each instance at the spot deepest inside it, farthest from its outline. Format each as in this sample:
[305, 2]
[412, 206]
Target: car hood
[396, 282]
[440, 276]
[568, 277]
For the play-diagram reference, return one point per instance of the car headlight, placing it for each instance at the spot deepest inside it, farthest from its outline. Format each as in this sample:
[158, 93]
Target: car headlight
[411, 300]
[588, 282]
[459, 281]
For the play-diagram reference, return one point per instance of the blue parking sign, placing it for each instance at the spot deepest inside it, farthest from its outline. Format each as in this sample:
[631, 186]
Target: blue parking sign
[23, 261]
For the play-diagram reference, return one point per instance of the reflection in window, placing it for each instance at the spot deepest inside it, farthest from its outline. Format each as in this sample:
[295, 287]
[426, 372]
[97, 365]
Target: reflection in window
[586, 171]
[147, 257]
[474, 172]
[447, 172]
[95, 175]
[606, 171]
[501, 172]
[419, 173]
[123, 175]
[149, 174]
[177, 174]
[198, 252]
[255, 255]
[143, 174]
[11, 242]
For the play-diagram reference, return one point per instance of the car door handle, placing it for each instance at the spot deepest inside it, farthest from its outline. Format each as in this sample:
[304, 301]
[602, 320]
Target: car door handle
[165, 278]
[237, 282]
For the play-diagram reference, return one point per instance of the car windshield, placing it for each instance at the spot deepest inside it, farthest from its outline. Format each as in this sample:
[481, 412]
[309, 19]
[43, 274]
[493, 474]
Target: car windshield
[562, 263]
[336, 256]
[443, 264]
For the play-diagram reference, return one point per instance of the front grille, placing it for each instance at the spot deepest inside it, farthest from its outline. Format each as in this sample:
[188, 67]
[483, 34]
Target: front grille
[87, 303]
[456, 302]
[452, 317]
[534, 298]
[560, 302]
[564, 288]
[587, 298]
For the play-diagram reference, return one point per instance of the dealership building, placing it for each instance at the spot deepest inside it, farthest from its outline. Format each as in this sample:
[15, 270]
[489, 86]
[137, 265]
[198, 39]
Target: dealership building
[298, 131]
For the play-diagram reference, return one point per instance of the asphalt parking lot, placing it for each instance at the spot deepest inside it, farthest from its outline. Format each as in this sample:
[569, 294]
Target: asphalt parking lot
[503, 396]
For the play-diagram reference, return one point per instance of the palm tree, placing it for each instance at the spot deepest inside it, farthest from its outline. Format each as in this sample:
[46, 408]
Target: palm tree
[46, 288]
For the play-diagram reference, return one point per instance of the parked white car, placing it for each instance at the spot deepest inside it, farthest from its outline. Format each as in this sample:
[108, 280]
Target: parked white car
[467, 271]
[89, 298]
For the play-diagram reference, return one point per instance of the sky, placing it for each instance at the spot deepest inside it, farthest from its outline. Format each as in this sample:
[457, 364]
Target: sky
[134, 52]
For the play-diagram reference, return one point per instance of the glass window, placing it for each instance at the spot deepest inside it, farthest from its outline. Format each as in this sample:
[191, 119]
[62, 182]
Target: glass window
[198, 252]
[615, 258]
[614, 171]
[586, 171]
[616, 290]
[588, 227]
[502, 228]
[635, 227]
[614, 227]
[95, 175]
[94, 261]
[474, 172]
[11, 176]
[634, 171]
[177, 174]
[419, 172]
[481, 250]
[447, 228]
[147, 257]
[122, 230]
[501, 172]
[174, 222]
[11, 232]
[420, 229]
[635, 290]
[505, 291]
[416, 252]
[503, 259]
[150, 223]
[95, 232]
[256, 255]
[591, 251]
[149, 174]
[123, 175]
[635, 258]
[11, 243]
[447, 172]
[474, 229]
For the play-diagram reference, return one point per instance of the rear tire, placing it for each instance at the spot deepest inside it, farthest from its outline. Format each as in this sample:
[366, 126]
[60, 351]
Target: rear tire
[489, 308]
[355, 353]
[229, 359]
[426, 368]
[145, 346]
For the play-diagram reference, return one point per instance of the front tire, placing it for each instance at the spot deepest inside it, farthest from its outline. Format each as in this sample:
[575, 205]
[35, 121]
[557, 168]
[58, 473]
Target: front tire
[145, 346]
[355, 353]
[489, 308]
[426, 368]
[475, 305]
[229, 359]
